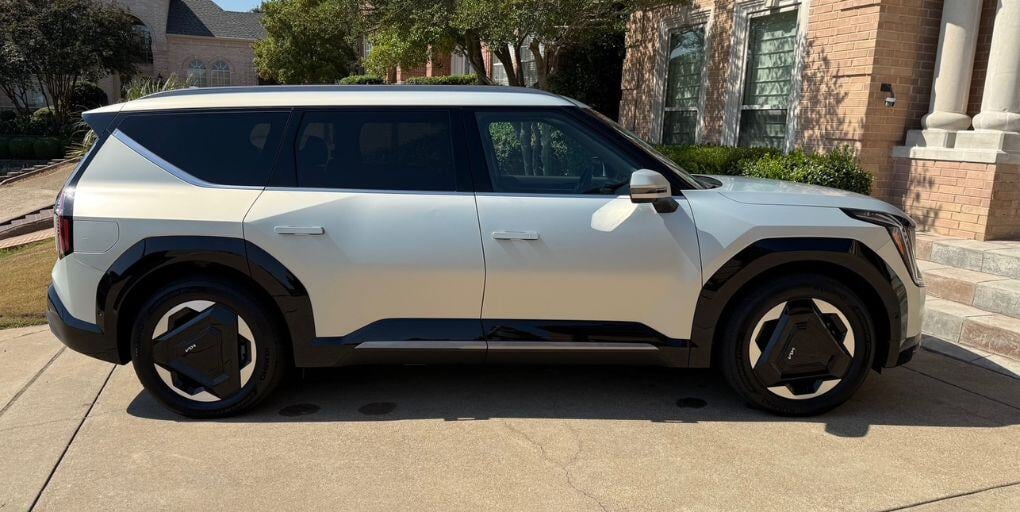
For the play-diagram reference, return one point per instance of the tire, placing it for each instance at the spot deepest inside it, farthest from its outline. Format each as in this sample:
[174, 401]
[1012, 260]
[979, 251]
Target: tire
[189, 353]
[816, 315]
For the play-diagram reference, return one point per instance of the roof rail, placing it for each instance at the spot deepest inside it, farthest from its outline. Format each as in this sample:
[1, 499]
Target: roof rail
[195, 91]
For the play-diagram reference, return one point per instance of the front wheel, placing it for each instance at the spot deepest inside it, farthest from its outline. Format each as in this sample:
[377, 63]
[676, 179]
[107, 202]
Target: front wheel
[206, 349]
[797, 345]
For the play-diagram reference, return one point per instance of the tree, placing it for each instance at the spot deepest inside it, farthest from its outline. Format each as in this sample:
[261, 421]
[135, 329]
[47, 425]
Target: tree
[402, 31]
[308, 41]
[16, 78]
[68, 41]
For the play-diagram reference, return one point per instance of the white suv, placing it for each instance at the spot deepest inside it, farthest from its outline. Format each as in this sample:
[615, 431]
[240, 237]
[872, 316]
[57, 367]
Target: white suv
[216, 238]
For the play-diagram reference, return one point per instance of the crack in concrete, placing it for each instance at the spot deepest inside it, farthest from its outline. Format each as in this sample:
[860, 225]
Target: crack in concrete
[957, 386]
[31, 381]
[73, 437]
[563, 466]
[952, 496]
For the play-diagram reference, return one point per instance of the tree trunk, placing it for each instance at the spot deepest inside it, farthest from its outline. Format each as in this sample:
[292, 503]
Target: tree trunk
[473, 50]
[505, 57]
[543, 75]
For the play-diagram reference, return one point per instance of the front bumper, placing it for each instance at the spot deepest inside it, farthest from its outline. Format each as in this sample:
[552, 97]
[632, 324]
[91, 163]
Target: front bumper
[80, 336]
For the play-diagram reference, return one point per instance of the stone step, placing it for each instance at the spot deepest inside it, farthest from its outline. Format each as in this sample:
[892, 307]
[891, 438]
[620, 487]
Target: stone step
[987, 292]
[972, 327]
[999, 258]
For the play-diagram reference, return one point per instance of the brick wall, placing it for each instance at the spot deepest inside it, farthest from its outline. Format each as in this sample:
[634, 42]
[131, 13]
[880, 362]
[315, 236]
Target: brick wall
[236, 52]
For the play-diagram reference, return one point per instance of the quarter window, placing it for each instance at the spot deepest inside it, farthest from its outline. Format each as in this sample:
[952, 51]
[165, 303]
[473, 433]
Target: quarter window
[683, 86]
[548, 153]
[373, 150]
[771, 54]
[226, 148]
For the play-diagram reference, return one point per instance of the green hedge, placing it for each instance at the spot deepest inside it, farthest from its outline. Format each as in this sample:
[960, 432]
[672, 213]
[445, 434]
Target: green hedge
[361, 80]
[32, 148]
[443, 80]
[838, 168]
[713, 159]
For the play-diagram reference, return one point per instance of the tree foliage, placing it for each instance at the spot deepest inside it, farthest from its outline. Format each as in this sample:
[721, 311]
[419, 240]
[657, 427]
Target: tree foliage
[308, 41]
[60, 43]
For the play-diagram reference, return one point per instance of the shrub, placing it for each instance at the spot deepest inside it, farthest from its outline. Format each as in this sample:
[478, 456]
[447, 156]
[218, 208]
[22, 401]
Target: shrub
[87, 96]
[7, 115]
[838, 168]
[5, 150]
[443, 80]
[48, 147]
[361, 80]
[43, 115]
[713, 159]
[22, 148]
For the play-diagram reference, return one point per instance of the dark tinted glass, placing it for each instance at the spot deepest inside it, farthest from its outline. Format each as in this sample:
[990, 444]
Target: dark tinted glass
[226, 148]
[407, 150]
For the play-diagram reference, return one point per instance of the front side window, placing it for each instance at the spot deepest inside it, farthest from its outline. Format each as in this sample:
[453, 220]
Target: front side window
[376, 150]
[548, 153]
[683, 86]
[225, 148]
[196, 73]
[219, 75]
[771, 54]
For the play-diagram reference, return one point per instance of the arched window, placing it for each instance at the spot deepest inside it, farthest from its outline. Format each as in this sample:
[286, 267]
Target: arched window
[196, 73]
[145, 35]
[219, 74]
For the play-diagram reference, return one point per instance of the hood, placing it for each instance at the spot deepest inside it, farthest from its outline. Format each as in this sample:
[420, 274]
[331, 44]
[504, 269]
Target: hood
[762, 191]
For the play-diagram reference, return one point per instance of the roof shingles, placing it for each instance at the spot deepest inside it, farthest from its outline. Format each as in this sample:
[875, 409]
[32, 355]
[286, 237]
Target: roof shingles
[205, 18]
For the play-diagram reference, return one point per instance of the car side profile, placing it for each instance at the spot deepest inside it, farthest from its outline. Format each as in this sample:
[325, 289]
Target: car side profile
[217, 237]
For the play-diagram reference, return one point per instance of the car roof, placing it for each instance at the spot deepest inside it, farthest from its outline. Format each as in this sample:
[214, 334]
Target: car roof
[341, 95]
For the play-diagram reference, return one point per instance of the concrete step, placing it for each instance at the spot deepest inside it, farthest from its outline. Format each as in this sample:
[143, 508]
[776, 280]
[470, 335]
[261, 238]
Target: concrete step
[1001, 258]
[987, 292]
[972, 327]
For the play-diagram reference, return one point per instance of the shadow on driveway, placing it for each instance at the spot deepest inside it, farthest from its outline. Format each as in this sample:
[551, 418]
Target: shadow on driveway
[909, 396]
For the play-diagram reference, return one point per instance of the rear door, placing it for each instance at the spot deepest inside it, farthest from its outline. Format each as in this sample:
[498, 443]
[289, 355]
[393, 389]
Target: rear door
[568, 256]
[373, 212]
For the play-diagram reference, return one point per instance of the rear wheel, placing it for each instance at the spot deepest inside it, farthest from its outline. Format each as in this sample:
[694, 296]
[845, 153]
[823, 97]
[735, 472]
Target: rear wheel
[205, 348]
[797, 345]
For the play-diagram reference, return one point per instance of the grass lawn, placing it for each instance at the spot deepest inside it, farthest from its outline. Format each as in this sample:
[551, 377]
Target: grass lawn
[24, 276]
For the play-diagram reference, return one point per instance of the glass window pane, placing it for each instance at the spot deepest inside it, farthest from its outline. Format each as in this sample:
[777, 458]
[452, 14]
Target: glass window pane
[376, 151]
[763, 128]
[770, 56]
[686, 59]
[546, 153]
[225, 148]
[679, 126]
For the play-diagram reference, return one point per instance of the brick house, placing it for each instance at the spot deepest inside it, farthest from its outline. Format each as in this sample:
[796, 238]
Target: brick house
[816, 74]
[193, 39]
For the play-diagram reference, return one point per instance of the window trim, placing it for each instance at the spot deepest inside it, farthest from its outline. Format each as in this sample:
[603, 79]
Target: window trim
[669, 26]
[285, 176]
[743, 13]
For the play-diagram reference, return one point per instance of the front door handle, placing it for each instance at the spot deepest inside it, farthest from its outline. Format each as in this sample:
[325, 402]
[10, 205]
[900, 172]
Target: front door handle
[299, 230]
[515, 235]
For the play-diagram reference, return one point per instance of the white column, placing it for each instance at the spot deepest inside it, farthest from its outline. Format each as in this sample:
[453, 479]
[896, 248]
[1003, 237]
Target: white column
[954, 64]
[1000, 103]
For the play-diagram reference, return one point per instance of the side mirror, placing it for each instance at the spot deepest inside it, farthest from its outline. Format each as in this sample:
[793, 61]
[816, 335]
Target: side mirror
[647, 186]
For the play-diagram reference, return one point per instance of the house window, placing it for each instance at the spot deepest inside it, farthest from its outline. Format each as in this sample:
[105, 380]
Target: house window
[499, 72]
[771, 55]
[196, 73]
[462, 65]
[683, 86]
[145, 37]
[219, 74]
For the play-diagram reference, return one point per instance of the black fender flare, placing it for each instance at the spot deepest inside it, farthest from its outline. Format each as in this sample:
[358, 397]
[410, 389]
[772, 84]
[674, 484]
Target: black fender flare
[865, 269]
[157, 255]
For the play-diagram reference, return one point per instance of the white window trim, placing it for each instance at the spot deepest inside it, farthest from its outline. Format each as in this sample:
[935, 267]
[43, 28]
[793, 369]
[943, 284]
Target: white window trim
[743, 12]
[669, 26]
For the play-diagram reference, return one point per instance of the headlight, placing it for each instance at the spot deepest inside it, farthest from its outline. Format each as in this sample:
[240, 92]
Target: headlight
[903, 233]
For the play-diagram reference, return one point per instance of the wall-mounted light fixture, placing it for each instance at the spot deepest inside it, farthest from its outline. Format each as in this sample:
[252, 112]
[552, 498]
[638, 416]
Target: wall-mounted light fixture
[890, 101]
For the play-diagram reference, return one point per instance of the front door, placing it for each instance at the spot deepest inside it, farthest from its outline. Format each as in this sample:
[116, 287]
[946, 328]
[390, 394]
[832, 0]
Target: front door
[568, 256]
[378, 225]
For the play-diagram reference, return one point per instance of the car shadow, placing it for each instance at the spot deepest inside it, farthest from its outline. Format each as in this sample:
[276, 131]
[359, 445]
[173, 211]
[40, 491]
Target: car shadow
[907, 396]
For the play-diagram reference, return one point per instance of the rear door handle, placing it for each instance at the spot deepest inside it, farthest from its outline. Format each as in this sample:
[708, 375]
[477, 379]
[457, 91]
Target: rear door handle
[515, 235]
[299, 230]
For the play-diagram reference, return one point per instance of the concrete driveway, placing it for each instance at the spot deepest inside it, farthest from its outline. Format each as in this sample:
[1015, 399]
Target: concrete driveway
[78, 434]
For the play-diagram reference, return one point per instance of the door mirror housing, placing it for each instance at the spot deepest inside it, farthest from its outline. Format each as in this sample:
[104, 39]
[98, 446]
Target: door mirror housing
[647, 186]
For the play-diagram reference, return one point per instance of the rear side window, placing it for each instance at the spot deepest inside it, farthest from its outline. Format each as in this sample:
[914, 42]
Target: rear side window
[225, 148]
[376, 150]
